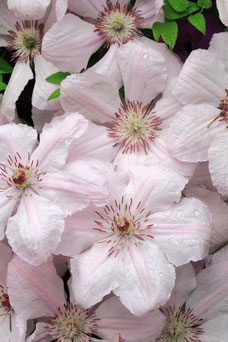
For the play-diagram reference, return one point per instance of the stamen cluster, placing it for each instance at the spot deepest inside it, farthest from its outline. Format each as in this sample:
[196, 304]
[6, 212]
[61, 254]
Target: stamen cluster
[4, 302]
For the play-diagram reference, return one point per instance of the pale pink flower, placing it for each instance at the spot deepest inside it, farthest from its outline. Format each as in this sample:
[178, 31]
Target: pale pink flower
[136, 241]
[24, 37]
[28, 10]
[135, 130]
[70, 42]
[68, 321]
[39, 187]
[197, 309]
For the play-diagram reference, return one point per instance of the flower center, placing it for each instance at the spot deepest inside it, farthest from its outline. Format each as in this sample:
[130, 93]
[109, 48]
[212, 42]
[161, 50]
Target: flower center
[181, 325]
[72, 324]
[4, 302]
[134, 127]
[16, 176]
[118, 24]
[223, 115]
[121, 226]
[25, 40]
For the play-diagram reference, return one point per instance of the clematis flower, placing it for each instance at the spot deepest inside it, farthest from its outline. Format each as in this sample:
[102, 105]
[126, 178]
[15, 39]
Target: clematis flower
[67, 321]
[39, 188]
[135, 129]
[24, 38]
[135, 241]
[197, 309]
[70, 43]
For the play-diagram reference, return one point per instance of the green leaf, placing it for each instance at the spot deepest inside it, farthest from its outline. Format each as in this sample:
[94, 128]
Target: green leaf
[169, 33]
[198, 21]
[54, 95]
[157, 30]
[58, 77]
[204, 3]
[1, 77]
[5, 67]
[170, 14]
[192, 7]
[2, 86]
[179, 5]
[226, 29]
[25, 122]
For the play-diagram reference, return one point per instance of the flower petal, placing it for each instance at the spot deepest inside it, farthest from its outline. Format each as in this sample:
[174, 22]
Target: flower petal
[30, 295]
[218, 45]
[222, 6]
[183, 232]
[69, 43]
[35, 230]
[94, 95]
[28, 10]
[21, 74]
[148, 280]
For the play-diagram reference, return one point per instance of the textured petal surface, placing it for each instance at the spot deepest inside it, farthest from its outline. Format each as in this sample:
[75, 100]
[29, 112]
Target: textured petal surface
[95, 274]
[183, 232]
[218, 163]
[222, 6]
[35, 230]
[56, 139]
[143, 70]
[148, 280]
[87, 8]
[200, 81]
[22, 73]
[191, 132]
[69, 43]
[94, 95]
[28, 10]
[219, 45]
[30, 295]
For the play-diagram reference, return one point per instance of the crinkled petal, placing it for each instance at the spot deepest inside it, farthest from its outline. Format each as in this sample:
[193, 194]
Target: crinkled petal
[219, 45]
[56, 139]
[120, 320]
[76, 185]
[35, 230]
[218, 162]
[43, 89]
[191, 132]
[28, 10]
[21, 74]
[219, 210]
[183, 232]
[30, 295]
[203, 78]
[143, 70]
[94, 95]
[69, 43]
[95, 274]
[148, 281]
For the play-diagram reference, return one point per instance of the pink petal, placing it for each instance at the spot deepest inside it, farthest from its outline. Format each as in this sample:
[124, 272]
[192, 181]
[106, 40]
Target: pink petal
[7, 20]
[94, 95]
[40, 334]
[35, 230]
[30, 295]
[149, 9]
[56, 13]
[218, 162]
[28, 10]
[6, 208]
[148, 281]
[219, 210]
[203, 78]
[222, 6]
[191, 132]
[183, 232]
[215, 329]
[88, 8]
[69, 43]
[5, 333]
[76, 185]
[201, 177]
[95, 274]
[218, 45]
[56, 139]
[114, 318]
[5, 256]
[43, 89]
[143, 70]
[22, 73]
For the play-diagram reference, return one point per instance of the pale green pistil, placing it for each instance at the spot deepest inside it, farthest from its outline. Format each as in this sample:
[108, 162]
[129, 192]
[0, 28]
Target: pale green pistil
[118, 25]
[29, 42]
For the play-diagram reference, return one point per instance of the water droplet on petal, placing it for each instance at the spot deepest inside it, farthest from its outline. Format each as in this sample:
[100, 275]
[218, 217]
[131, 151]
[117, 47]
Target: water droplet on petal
[145, 55]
